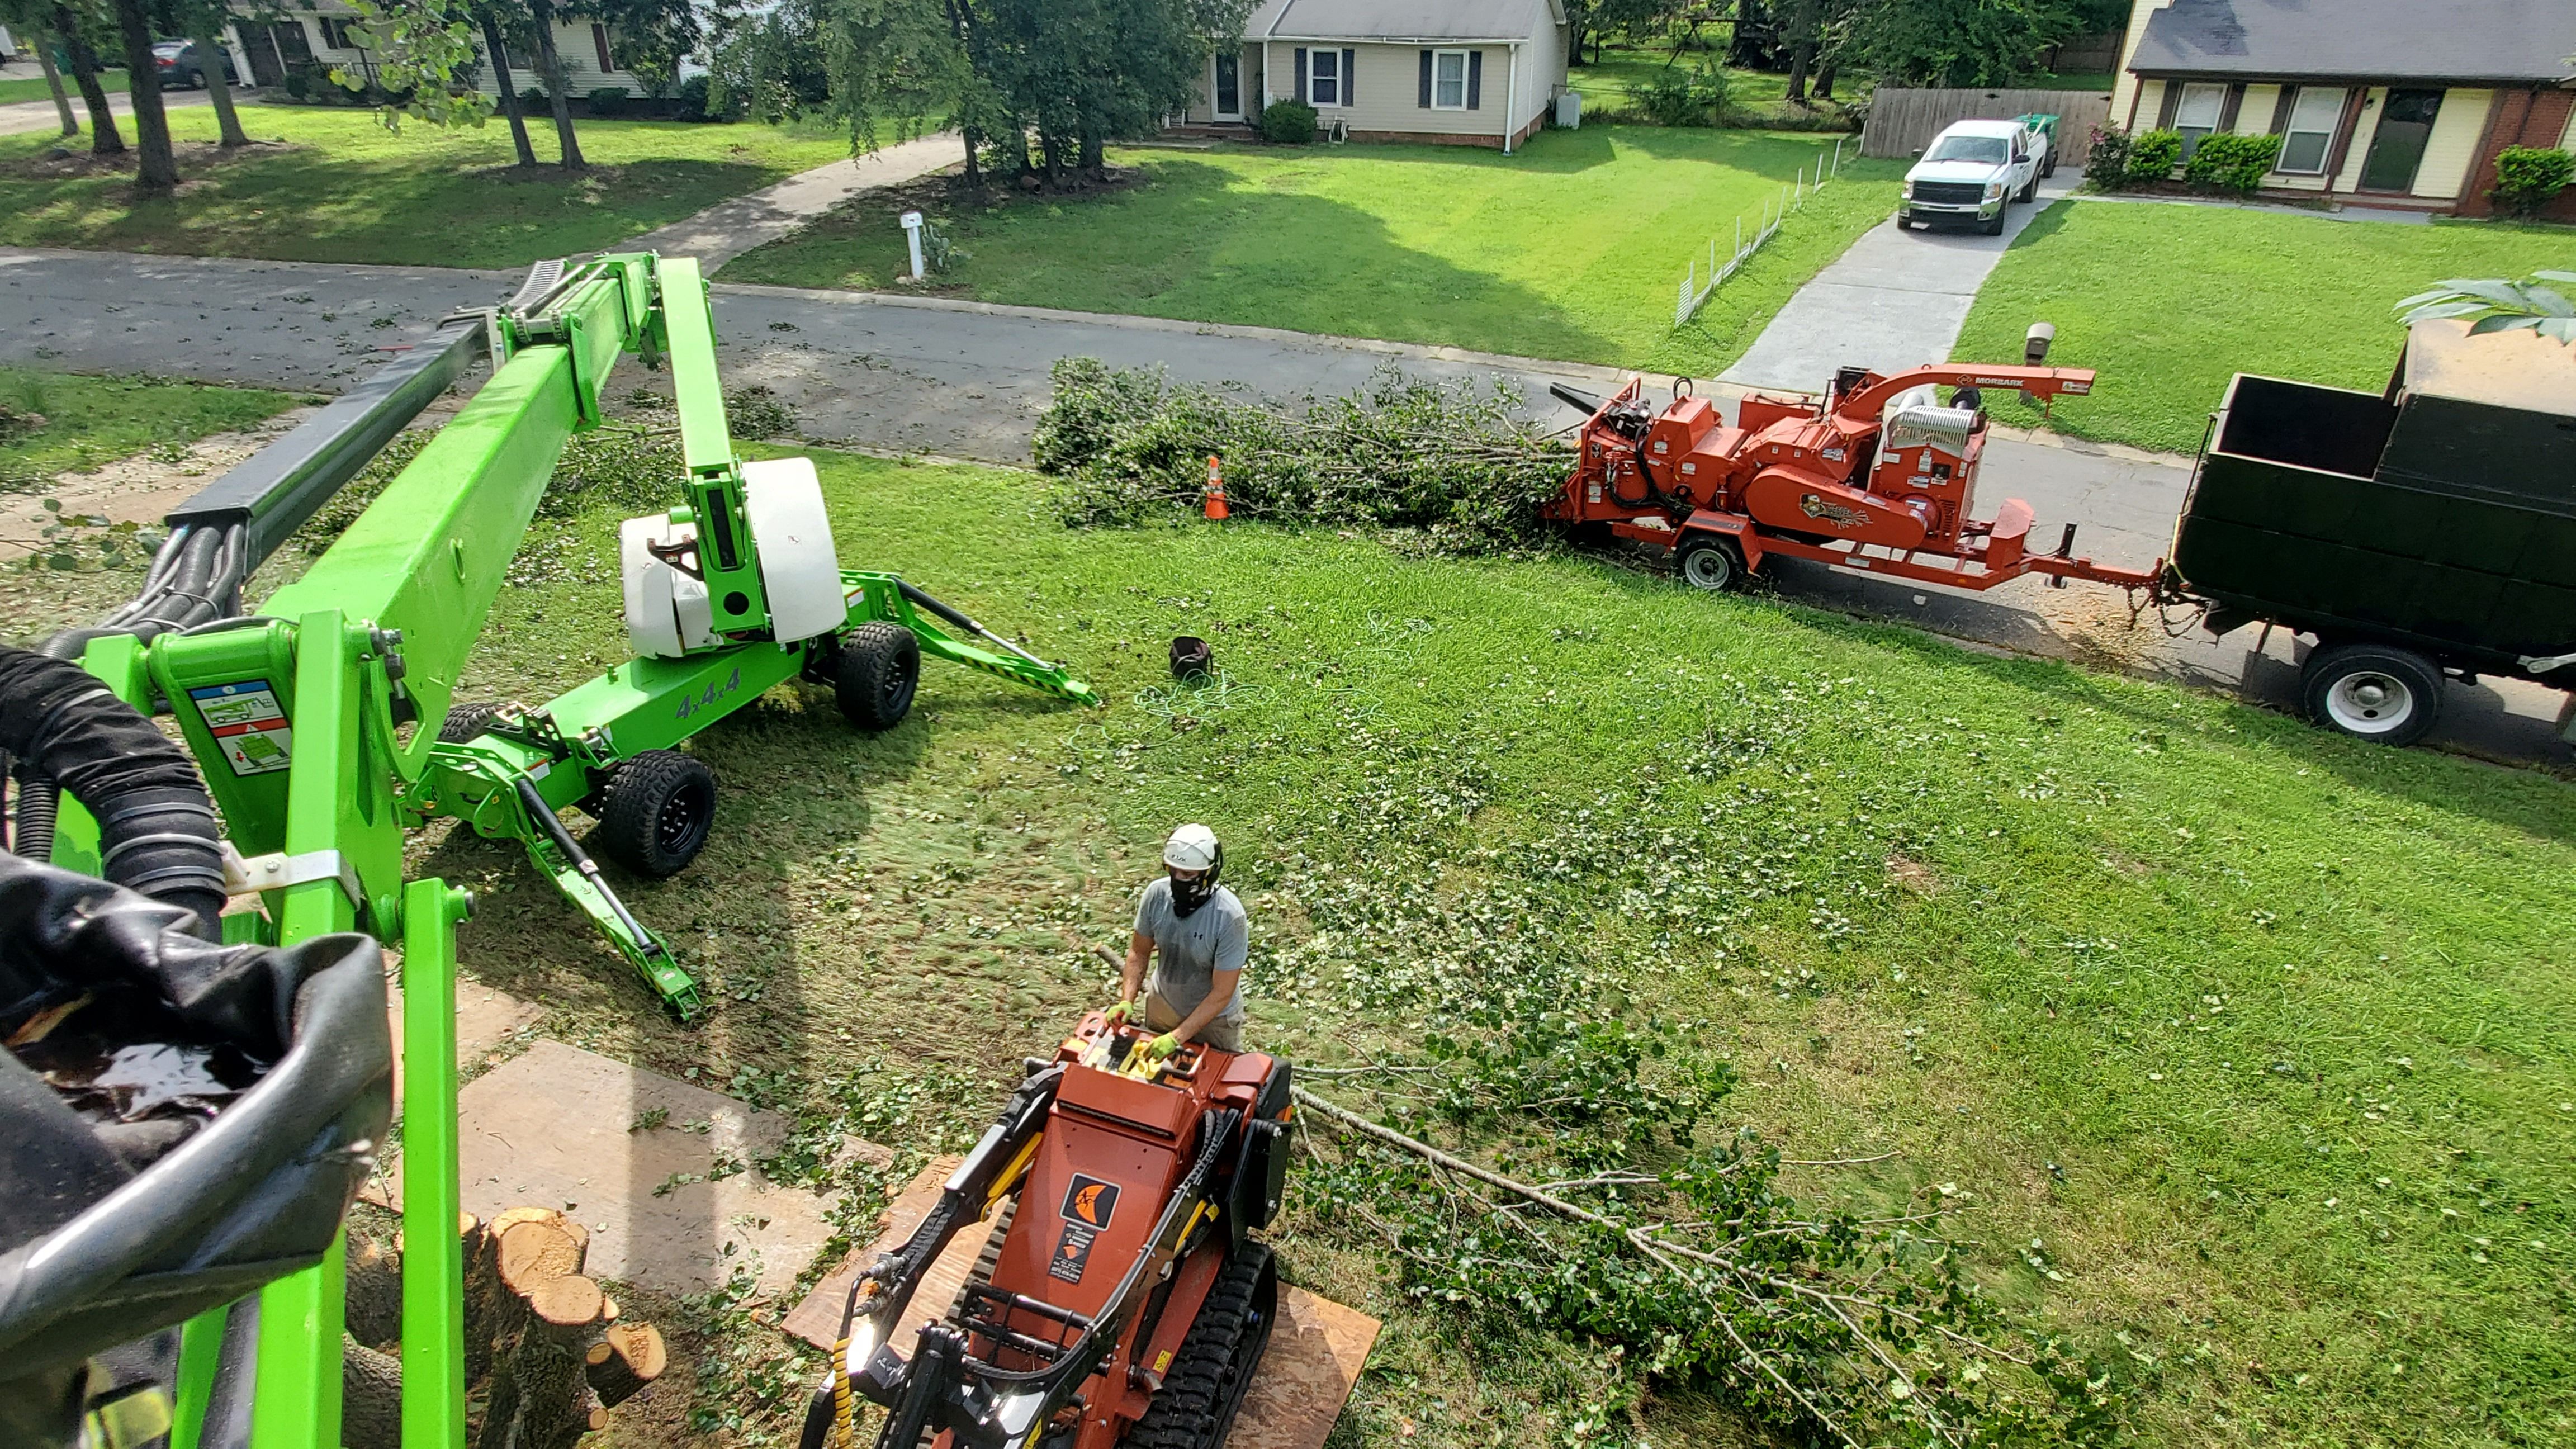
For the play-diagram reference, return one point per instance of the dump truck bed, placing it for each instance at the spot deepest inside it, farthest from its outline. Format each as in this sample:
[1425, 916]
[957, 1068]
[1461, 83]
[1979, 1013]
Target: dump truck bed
[2444, 523]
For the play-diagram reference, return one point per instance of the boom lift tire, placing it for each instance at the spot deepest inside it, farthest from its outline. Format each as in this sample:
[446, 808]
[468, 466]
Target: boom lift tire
[2372, 692]
[1710, 561]
[655, 812]
[878, 668]
[465, 721]
[1198, 1400]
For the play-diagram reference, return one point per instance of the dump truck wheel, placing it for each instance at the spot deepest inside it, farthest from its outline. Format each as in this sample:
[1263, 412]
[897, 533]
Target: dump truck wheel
[2372, 692]
[1198, 1400]
[655, 812]
[465, 721]
[875, 674]
[1710, 561]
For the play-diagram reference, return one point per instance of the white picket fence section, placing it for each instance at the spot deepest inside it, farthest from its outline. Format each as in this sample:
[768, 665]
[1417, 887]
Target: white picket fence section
[1695, 291]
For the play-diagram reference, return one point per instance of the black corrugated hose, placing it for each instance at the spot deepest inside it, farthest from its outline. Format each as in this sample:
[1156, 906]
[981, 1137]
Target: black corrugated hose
[157, 828]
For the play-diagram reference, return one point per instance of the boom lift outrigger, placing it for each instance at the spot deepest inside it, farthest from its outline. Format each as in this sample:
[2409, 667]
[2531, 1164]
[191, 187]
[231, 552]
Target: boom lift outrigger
[297, 716]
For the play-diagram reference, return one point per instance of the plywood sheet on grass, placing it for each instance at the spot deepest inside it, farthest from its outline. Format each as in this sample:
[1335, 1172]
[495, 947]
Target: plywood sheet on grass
[817, 1320]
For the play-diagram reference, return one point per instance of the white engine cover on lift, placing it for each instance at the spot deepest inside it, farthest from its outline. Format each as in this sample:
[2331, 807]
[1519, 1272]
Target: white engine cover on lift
[782, 500]
[667, 614]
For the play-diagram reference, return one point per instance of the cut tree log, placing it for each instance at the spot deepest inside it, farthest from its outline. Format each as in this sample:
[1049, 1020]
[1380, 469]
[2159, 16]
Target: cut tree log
[544, 1316]
[374, 1313]
[370, 1398]
[626, 1358]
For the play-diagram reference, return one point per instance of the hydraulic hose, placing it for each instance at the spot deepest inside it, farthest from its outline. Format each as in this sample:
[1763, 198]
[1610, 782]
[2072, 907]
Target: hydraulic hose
[157, 829]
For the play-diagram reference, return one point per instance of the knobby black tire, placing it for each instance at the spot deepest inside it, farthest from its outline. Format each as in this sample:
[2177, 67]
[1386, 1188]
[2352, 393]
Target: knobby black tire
[465, 721]
[1198, 1400]
[878, 669]
[655, 813]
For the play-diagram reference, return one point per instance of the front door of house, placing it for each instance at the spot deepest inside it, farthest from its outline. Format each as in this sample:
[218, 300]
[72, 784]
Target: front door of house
[1229, 87]
[2397, 148]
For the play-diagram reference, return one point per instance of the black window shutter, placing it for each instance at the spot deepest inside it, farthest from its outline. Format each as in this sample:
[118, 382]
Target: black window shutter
[2165, 110]
[1301, 75]
[2228, 108]
[1425, 101]
[1475, 77]
[1350, 73]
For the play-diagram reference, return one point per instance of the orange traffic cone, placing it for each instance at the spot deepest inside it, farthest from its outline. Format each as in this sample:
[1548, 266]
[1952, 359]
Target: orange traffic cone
[1215, 491]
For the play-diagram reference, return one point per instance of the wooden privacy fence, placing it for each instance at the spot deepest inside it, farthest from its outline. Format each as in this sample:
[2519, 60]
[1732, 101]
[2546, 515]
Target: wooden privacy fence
[1902, 122]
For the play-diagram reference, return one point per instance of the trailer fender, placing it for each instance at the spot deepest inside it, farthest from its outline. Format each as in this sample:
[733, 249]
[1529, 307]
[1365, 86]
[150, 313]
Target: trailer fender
[1734, 526]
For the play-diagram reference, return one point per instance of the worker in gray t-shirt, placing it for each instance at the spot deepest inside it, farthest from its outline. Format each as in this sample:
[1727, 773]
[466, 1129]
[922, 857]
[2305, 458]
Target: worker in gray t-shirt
[1194, 932]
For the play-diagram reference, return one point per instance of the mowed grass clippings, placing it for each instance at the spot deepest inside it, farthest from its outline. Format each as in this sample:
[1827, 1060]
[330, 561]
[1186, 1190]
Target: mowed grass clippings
[333, 185]
[91, 420]
[1572, 249]
[2241, 1040]
[2169, 302]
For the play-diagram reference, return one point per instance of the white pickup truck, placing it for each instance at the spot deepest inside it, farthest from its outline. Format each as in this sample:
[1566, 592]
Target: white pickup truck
[1975, 170]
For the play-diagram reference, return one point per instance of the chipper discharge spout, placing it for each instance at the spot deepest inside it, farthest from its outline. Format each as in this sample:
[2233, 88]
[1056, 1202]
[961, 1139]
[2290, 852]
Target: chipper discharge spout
[1124, 1298]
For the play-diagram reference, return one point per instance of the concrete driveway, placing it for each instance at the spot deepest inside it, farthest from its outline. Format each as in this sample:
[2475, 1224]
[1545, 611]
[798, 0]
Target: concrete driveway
[968, 379]
[1895, 300]
[20, 117]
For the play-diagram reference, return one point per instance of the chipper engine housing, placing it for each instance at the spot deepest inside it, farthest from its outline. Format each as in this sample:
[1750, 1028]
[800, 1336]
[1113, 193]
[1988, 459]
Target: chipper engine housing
[1126, 1300]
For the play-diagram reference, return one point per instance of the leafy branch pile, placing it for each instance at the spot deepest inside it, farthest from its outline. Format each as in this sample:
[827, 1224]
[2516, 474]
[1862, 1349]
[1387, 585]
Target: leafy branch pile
[1451, 459]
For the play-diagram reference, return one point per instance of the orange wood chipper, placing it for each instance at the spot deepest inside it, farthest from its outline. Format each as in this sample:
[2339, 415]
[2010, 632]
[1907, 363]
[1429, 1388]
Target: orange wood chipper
[1877, 475]
[1120, 1297]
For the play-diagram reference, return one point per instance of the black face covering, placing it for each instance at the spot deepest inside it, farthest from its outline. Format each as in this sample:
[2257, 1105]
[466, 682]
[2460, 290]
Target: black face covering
[1189, 895]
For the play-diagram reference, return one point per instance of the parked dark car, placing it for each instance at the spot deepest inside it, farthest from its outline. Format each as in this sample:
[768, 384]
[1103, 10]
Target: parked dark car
[2421, 532]
[184, 69]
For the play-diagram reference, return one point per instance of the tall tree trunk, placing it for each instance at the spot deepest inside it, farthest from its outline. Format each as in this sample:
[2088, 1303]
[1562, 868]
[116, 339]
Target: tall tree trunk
[44, 47]
[209, 41]
[104, 139]
[1094, 157]
[1802, 20]
[509, 89]
[156, 165]
[1825, 79]
[974, 163]
[544, 12]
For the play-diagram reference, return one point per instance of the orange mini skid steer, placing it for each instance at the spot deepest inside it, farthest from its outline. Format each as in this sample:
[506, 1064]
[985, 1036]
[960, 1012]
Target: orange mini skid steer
[1125, 1301]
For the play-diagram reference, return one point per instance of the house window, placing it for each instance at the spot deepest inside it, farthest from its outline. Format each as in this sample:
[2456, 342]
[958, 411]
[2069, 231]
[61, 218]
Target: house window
[337, 34]
[2196, 115]
[2310, 131]
[599, 42]
[1324, 78]
[1449, 80]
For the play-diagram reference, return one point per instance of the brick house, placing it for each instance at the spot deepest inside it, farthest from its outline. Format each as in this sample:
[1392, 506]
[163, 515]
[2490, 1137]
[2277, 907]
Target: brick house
[2382, 102]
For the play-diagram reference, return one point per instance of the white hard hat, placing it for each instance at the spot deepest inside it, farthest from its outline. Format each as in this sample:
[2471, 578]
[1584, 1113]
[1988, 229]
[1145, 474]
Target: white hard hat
[1192, 847]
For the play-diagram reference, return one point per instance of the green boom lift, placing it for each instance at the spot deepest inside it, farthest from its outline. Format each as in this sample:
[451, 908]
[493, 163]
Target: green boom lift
[326, 725]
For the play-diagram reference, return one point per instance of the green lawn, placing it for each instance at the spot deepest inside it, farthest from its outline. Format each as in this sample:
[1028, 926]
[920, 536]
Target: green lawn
[344, 189]
[2170, 301]
[1572, 249]
[33, 88]
[2241, 1039]
[1621, 70]
[92, 420]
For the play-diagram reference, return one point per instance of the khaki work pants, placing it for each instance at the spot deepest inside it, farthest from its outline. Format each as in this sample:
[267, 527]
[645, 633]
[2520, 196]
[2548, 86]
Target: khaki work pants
[1224, 1035]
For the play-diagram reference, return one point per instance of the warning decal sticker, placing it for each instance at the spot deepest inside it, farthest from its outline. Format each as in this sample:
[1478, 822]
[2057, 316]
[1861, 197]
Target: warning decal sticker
[246, 721]
[1090, 1201]
[1072, 1253]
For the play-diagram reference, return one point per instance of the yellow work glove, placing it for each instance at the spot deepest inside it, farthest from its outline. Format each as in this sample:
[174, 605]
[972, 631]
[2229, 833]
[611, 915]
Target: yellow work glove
[1161, 1047]
[1124, 1011]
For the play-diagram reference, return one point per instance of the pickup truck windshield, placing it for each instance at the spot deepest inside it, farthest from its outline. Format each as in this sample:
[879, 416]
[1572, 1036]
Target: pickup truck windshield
[1991, 150]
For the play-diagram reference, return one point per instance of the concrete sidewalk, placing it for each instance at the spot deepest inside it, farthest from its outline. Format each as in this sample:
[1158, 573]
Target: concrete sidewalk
[1895, 300]
[727, 229]
[968, 379]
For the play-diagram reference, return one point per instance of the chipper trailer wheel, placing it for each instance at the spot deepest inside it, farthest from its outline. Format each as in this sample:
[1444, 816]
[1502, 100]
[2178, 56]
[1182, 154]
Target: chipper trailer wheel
[878, 668]
[1198, 1400]
[2372, 692]
[655, 812]
[1710, 561]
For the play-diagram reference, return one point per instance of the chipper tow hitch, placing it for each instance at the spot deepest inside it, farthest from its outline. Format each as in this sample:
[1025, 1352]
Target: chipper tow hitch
[1127, 1301]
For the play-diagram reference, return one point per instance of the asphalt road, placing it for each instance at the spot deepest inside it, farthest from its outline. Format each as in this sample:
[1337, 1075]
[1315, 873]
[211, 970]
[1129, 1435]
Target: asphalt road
[19, 117]
[968, 380]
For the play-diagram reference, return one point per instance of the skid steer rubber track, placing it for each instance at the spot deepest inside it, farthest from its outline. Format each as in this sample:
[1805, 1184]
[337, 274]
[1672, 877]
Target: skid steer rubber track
[1197, 1404]
[985, 1262]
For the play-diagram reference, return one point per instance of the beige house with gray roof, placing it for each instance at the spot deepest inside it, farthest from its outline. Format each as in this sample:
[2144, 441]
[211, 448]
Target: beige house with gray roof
[1464, 72]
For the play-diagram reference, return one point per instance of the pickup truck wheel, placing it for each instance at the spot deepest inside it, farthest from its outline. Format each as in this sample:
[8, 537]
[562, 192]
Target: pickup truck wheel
[2048, 167]
[2029, 191]
[2372, 692]
[1710, 561]
[1995, 224]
